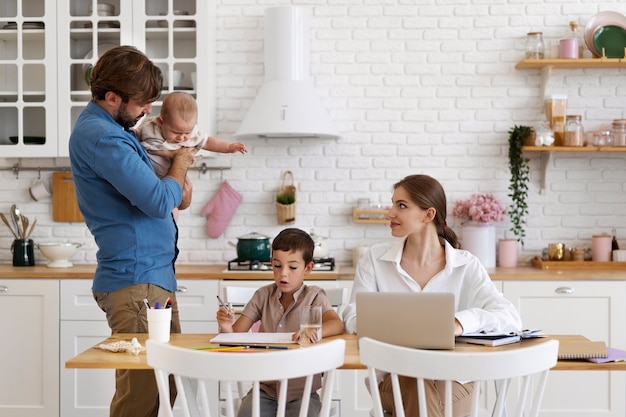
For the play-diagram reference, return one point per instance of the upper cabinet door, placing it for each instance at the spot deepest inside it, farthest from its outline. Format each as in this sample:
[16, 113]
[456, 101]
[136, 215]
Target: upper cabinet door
[48, 48]
[28, 108]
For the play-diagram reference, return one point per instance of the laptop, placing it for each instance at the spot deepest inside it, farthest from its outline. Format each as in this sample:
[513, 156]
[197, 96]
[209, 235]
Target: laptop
[417, 320]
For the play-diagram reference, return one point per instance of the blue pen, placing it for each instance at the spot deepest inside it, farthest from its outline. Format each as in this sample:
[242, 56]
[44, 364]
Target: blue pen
[157, 305]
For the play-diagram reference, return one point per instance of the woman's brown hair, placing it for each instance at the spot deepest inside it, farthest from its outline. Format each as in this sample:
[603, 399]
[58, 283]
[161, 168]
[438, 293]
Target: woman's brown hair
[427, 192]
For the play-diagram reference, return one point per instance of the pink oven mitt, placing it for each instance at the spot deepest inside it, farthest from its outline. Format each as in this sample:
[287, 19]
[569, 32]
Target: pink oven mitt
[220, 209]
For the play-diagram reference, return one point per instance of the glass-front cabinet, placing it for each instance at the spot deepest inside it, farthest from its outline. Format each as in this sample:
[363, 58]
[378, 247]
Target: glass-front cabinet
[28, 110]
[49, 48]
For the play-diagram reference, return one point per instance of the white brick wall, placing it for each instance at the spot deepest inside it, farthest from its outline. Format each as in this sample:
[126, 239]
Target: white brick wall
[414, 87]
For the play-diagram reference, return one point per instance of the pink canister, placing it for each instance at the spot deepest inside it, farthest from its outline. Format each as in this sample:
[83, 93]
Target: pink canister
[601, 248]
[568, 48]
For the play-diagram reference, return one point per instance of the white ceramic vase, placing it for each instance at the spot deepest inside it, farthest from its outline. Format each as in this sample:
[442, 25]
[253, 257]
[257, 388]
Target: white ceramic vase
[480, 240]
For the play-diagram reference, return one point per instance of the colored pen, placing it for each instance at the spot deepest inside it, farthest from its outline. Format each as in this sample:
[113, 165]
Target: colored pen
[221, 348]
[145, 301]
[157, 305]
[168, 303]
[256, 346]
[227, 307]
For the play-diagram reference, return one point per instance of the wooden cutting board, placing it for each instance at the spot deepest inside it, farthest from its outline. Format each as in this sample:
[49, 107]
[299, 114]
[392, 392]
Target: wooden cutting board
[64, 204]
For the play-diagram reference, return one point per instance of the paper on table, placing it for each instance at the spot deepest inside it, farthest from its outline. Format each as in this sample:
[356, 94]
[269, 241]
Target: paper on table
[613, 355]
[253, 337]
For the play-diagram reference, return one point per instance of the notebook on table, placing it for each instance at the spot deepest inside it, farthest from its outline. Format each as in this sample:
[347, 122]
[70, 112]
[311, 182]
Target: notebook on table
[417, 320]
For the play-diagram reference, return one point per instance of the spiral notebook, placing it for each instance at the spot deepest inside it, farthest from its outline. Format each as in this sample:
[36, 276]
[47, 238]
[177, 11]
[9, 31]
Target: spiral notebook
[582, 349]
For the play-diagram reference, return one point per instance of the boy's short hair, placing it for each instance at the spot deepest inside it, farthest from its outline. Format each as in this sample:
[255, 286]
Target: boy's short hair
[293, 239]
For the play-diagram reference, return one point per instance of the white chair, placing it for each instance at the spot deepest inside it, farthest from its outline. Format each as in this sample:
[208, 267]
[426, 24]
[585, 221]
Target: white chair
[192, 369]
[531, 364]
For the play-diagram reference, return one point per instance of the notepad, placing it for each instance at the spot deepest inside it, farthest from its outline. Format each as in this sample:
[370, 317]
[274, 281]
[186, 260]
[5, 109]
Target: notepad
[582, 349]
[613, 355]
[488, 339]
[253, 338]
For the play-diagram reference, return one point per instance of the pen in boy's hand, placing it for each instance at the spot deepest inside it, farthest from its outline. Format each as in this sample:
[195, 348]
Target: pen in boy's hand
[227, 307]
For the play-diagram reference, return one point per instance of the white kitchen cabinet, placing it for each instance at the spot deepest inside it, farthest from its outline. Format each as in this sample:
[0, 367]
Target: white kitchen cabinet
[88, 392]
[595, 309]
[29, 315]
[44, 62]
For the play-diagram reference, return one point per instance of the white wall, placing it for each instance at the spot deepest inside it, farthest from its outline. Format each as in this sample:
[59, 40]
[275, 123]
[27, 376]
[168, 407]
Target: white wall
[426, 86]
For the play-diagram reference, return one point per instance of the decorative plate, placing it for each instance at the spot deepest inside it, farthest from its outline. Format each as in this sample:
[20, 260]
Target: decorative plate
[611, 39]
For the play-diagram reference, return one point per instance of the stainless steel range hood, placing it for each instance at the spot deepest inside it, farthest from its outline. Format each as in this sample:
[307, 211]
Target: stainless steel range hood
[287, 105]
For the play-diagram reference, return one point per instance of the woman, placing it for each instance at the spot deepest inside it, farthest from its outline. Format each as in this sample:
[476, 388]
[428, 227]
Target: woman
[428, 258]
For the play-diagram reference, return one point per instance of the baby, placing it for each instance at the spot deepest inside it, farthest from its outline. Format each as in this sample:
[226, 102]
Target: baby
[175, 127]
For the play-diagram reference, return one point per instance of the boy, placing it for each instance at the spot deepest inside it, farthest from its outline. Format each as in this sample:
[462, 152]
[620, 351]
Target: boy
[277, 306]
[176, 127]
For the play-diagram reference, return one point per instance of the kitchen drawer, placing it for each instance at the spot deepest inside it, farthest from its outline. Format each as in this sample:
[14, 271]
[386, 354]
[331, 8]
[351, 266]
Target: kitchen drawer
[197, 300]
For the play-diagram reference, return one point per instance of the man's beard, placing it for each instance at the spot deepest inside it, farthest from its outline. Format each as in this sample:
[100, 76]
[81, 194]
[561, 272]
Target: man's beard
[126, 120]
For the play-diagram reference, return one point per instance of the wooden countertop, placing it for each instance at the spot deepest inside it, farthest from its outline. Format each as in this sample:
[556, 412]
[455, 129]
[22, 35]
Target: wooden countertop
[341, 272]
[182, 272]
[95, 358]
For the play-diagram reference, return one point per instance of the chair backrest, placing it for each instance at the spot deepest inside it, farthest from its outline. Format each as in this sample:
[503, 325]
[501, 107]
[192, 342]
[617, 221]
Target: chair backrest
[338, 297]
[194, 368]
[531, 364]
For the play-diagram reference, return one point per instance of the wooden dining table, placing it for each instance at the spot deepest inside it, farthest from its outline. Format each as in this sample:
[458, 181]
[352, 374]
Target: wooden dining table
[98, 358]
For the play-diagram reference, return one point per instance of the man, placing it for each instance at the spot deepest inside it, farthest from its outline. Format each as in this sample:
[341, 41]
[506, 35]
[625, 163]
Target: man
[128, 209]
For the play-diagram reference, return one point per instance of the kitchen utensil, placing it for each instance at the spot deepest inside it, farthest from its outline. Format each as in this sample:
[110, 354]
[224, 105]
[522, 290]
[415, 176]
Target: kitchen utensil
[321, 245]
[6, 221]
[102, 48]
[15, 215]
[24, 220]
[611, 40]
[59, 253]
[252, 247]
[64, 204]
[32, 227]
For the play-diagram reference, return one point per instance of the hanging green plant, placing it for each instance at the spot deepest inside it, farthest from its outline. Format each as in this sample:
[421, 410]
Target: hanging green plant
[518, 184]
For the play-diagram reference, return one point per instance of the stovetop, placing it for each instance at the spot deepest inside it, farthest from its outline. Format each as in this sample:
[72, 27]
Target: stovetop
[321, 264]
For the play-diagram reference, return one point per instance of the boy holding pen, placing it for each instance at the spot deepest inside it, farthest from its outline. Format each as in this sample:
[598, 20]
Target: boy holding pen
[278, 307]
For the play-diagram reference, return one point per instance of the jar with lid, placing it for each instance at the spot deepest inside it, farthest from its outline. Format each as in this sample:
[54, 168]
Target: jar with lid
[574, 135]
[618, 132]
[535, 47]
[604, 139]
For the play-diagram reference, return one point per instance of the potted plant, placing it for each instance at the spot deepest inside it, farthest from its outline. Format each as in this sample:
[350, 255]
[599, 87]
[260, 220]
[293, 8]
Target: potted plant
[518, 184]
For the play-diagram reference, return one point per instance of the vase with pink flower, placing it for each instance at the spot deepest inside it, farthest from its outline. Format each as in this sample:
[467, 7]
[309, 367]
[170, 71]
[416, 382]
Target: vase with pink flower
[478, 233]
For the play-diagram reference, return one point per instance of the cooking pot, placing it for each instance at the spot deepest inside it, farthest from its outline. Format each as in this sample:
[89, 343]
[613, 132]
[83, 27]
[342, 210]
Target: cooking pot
[321, 246]
[252, 247]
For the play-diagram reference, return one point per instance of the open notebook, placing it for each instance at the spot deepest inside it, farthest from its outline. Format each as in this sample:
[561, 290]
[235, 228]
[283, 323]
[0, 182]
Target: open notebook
[418, 320]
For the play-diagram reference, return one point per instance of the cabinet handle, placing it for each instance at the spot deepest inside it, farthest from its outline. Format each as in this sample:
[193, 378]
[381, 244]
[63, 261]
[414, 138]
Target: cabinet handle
[564, 290]
[182, 289]
[4, 288]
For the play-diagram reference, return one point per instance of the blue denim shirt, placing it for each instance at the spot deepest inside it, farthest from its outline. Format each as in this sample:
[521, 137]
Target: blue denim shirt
[127, 208]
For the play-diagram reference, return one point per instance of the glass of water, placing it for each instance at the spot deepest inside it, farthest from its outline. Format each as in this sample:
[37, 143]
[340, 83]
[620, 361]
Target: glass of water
[310, 325]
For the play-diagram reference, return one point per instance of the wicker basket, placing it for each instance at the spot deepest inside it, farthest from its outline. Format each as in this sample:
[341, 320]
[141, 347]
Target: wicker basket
[286, 200]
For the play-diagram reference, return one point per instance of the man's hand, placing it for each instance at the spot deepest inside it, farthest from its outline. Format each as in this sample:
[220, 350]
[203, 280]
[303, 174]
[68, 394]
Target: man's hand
[187, 191]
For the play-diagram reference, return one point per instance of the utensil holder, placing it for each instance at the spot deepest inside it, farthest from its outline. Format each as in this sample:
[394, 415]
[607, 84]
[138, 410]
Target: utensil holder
[23, 252]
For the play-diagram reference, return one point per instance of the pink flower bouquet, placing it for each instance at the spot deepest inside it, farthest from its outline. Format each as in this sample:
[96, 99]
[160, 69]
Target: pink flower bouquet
[481, 208]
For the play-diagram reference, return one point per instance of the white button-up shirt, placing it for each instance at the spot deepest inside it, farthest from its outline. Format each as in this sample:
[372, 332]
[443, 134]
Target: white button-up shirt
[478, 303]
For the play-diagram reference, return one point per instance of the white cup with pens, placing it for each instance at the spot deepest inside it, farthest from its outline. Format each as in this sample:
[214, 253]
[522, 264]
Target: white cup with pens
[159, 321]
[310, 325]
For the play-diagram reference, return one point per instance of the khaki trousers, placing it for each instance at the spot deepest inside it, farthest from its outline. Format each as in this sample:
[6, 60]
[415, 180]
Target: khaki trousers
[136, 392]
[435, 391]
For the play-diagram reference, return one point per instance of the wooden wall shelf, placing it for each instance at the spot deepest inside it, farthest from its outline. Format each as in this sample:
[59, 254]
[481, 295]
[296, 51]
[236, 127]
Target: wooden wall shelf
[572, 63]
[371, 216]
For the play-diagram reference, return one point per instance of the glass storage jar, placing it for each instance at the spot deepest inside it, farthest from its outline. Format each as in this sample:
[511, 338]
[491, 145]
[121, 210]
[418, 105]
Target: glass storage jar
[574, 135]
[535, 47]
[618, 132]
